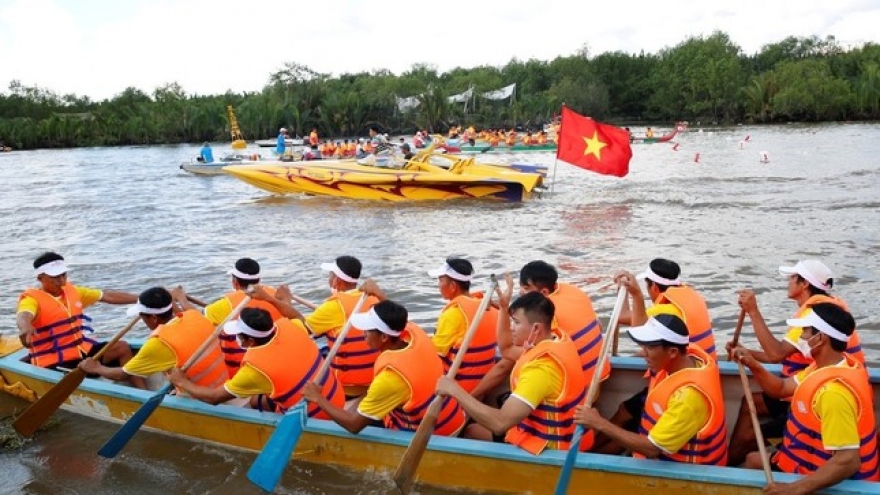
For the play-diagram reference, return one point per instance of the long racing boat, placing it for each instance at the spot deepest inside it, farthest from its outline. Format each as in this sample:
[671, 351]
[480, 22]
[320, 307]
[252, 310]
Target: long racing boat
[451, 463]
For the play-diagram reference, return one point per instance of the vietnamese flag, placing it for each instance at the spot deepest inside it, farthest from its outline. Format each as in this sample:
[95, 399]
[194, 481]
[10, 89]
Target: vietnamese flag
[588, 144]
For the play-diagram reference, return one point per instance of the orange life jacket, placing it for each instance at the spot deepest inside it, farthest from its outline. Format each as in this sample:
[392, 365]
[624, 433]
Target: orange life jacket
[480, 355]
[696, 316]
[232, 352]
[184, 335]
[797, 361]
[420, 366]
[709, 445]
[290, 360]
[353, 363]
[802, 451]
[58, 328]
[575, 316]
[551, 424]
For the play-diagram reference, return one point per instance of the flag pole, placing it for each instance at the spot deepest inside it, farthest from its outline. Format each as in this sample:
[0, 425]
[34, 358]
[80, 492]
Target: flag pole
[553, 179]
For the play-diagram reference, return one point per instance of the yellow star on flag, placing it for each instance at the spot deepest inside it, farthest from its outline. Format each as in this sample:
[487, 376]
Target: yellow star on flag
[594, 146]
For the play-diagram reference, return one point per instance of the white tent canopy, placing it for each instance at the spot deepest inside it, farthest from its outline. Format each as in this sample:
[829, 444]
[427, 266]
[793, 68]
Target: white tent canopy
[404, 104]
[500, 94]
[461, 97]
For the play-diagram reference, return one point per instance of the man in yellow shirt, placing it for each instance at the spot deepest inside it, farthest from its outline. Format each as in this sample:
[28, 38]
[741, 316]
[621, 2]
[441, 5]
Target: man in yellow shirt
[830, 435]
[51, 322]
[547, 372]
[683, 418]
[174, 339]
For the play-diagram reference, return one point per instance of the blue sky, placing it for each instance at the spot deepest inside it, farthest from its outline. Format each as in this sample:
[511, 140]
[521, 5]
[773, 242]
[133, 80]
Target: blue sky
[100, 47]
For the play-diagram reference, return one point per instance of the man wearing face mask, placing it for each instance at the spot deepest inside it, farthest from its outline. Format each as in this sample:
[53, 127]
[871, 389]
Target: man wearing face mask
[683, 419]
[809, 282]
[830, 434]
[547, 381]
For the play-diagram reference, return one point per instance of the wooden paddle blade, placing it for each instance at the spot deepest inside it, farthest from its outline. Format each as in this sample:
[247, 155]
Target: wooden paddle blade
[37, 413]
[267, 469]
[119, 439]
[405, 473]
[568, 466]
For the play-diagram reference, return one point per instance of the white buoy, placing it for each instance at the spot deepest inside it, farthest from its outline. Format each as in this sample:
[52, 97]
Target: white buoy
[764, 157]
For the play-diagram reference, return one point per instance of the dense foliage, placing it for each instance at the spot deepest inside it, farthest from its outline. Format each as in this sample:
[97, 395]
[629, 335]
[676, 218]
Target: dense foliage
[705, 79]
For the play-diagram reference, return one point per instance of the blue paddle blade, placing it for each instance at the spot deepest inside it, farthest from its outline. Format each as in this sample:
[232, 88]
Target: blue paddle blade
[267, 469]
[119, 439]
[568, 466]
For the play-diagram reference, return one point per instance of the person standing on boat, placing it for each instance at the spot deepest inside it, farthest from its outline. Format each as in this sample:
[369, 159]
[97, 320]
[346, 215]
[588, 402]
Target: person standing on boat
[245, 276]
[649, 133]
[809, 283]
[174, 339]
[379, 142]
[683, 418]
[407, 152]
[313, 137]
[50, 319]
[546, 383]
[830, 433]
[280, 358]
[281, 142]
[206, 155]
[670, 296]
[406, 372]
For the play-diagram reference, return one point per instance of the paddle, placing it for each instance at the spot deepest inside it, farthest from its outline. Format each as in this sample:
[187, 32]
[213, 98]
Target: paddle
[37, 413]
[119, 439]
[568, 466]
[755, 423]
[406, 470]
[304, 302]
[739, 328]
[269, 465]
[196, 301]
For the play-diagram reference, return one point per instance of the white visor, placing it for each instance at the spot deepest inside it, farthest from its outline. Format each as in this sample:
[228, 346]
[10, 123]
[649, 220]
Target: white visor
[654, 331]
[332, 267]
[242, 275]
[139, 308]
[371, 321]
[657, 279]
[811, 319]
[450, 272]
[53, 268]
[236, 327]
[812, 271]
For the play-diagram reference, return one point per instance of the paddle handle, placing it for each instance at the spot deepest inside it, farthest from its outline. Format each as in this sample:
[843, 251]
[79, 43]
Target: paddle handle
[747, 391]
[115, 339]
[304, 302]
[213, 338]
[196, 301]
[340, 337]
[593, 391]
[738, 330]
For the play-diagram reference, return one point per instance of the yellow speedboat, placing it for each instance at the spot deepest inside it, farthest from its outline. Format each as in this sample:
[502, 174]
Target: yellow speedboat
[416, 180]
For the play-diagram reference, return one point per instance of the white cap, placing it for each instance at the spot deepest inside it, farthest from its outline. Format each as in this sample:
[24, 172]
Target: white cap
[139, 308]
[53, 268]
[450, 272]
[813, 271]
[242, 275]
[236, 327]
[333, 267]
[811, 319]
[282, 130]
[371, 321]
[656, 330]
[657, 279]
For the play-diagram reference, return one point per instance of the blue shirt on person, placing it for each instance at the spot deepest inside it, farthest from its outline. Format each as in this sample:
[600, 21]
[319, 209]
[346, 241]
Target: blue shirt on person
[281, 143]
[206, 154]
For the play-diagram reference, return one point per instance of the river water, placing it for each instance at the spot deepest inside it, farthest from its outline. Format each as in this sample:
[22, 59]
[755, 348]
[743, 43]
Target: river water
[129, 218]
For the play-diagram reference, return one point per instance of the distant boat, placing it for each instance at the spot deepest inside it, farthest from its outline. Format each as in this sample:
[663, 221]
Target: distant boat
[271, 143]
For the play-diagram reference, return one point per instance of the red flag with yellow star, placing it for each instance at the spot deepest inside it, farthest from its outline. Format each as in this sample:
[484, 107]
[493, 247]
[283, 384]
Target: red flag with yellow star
[588, 144]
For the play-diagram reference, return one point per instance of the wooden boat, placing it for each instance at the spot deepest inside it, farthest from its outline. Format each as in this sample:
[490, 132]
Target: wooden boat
[414, 181]
[452, 463]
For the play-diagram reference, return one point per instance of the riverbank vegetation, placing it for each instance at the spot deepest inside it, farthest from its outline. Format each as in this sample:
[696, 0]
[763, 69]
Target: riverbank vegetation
[706, 78]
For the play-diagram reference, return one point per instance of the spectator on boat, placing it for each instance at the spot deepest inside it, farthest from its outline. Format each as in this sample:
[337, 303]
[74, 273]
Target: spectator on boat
[359, 151]
[631, 137]
[418, 140]
[313, 153]
[406, 373]
[830, 434]
[573, 315]
[279, 359]
[809, 283]
[546, 383]
[50, 319]
[407, 152]
[173, 341]
[683, 418]
[379, 142]
[281, 142]
[245, 276]
[670, 296]
[649, 133]
[206, 154]
[313, 137]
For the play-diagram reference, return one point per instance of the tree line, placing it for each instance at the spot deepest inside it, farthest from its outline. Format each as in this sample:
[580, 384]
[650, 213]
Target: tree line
[704, 78]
